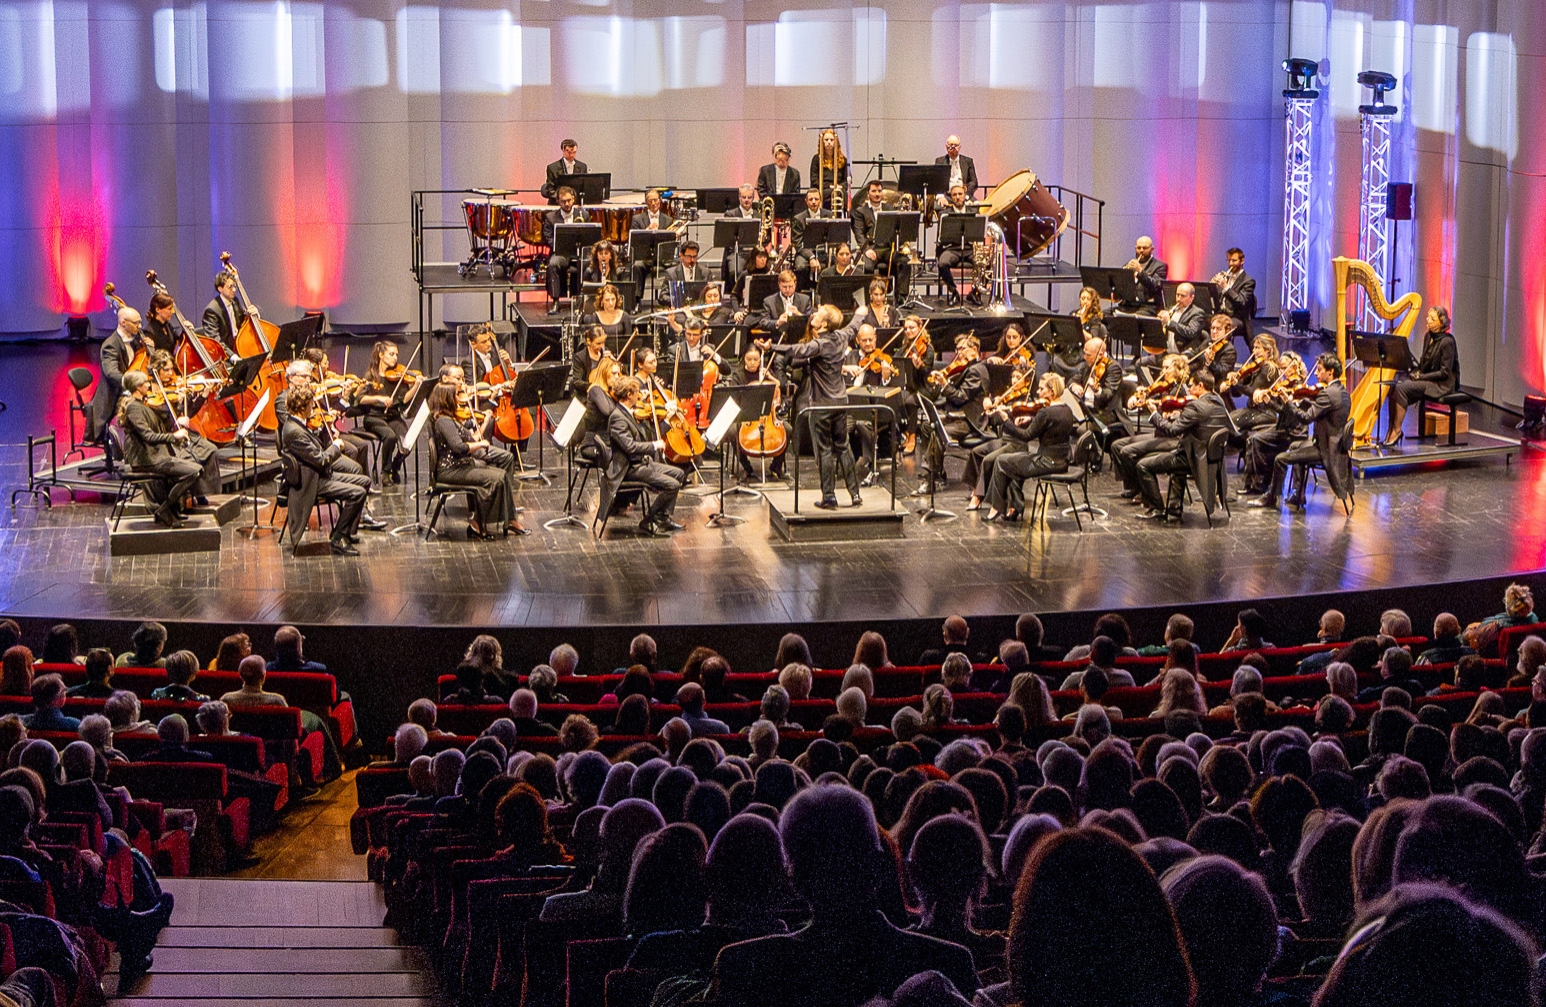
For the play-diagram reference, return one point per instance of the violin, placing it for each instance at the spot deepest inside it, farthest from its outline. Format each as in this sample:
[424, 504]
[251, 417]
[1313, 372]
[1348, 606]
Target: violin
[1098, 372]
[1250, 367]
[1020, 388]
[919, 346]
[1211, 350]
[1158, 390]
[400, 372]
[956, 366]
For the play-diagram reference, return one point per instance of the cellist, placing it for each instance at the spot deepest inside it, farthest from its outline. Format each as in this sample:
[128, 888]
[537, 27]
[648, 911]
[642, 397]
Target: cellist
[753, 371]
[475, 435]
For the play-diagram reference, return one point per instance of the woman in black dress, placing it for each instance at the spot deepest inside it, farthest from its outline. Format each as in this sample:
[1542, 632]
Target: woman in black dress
[456, 464]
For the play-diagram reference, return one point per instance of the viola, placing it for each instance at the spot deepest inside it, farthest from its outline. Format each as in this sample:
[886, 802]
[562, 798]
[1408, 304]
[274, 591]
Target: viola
[1173, 403]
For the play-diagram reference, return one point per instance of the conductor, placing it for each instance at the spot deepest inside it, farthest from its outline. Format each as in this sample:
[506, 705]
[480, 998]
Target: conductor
[824, 349]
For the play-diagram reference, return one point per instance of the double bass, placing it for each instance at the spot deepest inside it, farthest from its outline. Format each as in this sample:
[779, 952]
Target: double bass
[200, 354]
[141, 359]
[256, 338]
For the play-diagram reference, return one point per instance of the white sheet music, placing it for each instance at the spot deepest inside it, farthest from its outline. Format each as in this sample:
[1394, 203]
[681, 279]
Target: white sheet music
[722, 421]
[415, 428]
[1071, 400]
[570, 423]
[252, 417]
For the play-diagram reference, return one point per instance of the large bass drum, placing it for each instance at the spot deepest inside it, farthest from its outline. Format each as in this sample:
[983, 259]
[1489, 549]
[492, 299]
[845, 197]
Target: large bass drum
[1030, 216]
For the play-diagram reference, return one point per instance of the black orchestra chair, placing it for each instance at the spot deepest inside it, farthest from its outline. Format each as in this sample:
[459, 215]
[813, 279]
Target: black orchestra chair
[1451, 403]
[373, 442]
[80, 380]
[1344, 447]
[1085, 453]
[438, 492]
[132, 482]
[288, 477]
[625, 490]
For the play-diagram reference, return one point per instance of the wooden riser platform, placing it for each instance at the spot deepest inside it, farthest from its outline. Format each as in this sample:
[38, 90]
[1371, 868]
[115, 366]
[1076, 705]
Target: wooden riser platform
[876, 518]
[1474, 445]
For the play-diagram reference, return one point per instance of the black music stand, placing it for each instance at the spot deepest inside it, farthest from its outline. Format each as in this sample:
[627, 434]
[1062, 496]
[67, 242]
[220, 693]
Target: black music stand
[627, 289]
[960, 230]
[1134, 330]
[896, 227]
[759, 287]
[294, 337]
[786, 205]
[938, 436]
[718, 200]
[591, 188]
[644, 251]
[755, 402]
[1114, 283]
[242, 374]
[1388, 352]
[1063, 333]
[825, 232]
[923, 179]
[535, 386]
[842, 291]
[569, 238]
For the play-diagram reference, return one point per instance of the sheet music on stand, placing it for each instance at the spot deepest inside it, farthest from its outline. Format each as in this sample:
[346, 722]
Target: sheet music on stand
[409, 442]
[244, 437]
[563, 432]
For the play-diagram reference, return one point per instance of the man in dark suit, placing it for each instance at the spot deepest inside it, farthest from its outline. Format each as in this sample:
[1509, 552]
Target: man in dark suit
[803, 256]
[308, 471]
[561, 168]
[1219, 362]
[746, 209]
[560, 283]
[864, 223]
[653, 217]
[1100, 397]
[962, 171]
[633, 458]
[116, 354]
[1150, 273]
[788, 302]
[778, 178]
[827, 386]
[1327, 414]
[960, 405]
[1184, 327]
[1192, 427]
[223, 316]
[1237, 290]
[148, 445]
[687, 269]
[952, 255]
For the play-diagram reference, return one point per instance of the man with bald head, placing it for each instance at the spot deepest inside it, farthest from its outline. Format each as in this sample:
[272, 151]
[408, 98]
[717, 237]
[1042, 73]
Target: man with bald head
[1101, 394]
[1150, 273]
[1185, 329]
[118, 351]
[962, 171]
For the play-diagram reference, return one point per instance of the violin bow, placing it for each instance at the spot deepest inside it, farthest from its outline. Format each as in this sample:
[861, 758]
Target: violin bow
[414, 356]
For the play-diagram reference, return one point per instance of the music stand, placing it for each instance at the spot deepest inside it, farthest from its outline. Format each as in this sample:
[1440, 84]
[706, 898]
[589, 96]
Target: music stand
[1392, 353]
[293, 338]
[846, 292]
[569, 238]
[244, 436]
[242, 374]
[718, 200]
[922, 179]
[1063, 332]
[534, 386]
[960, 230]
[938, 436]
[733, 232]
[824, 232]
[1133, 330]
[1207, 295]
[715, 434]
[409, 442]
[786, 205]
[754, 402]
[591, 188]
[563, 435]
[644, 250]
[896, 227]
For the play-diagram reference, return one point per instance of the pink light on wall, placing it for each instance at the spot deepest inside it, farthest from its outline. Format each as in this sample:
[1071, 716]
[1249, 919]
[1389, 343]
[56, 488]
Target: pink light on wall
[75, 237]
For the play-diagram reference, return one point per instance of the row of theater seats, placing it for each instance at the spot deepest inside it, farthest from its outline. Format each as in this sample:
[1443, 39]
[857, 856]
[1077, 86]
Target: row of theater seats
[304, 690]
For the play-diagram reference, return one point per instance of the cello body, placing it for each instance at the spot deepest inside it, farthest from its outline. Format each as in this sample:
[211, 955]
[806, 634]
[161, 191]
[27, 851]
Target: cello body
[1369, 396]
[511, 424]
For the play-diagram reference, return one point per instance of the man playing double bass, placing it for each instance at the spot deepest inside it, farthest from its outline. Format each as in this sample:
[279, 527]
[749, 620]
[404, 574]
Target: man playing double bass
[223, 316]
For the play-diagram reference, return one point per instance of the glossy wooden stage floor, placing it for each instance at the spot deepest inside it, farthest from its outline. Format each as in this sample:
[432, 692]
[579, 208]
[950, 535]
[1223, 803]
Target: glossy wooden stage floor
[1410, 527]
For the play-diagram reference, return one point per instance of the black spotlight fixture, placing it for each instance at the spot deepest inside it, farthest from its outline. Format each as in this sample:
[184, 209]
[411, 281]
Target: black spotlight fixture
[1379, 82]
[1301, 75]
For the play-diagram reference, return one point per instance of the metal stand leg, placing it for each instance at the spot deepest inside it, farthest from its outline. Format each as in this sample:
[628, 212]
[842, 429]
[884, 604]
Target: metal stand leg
[567, 520]
[931, 511]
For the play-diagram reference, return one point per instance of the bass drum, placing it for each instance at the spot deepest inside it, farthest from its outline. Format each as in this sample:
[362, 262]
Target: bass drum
[1030, 216]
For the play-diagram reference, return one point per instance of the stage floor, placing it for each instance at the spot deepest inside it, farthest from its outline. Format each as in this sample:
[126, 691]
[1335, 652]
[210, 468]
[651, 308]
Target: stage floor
[1410, 527]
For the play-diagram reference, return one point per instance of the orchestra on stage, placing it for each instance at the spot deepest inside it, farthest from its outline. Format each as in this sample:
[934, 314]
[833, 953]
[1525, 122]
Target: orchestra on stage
[817, 316]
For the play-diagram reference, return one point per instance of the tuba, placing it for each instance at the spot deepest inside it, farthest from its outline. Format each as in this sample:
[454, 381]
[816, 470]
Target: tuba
[1370, 393]
[765, 232]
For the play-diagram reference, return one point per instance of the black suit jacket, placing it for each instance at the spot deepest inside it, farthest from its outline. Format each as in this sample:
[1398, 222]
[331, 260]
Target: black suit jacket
[1189, 328]
[864, 225]
[1240, 301]
[1195, 425]
[677, 274]
[146, 440]
[630, 445]
[964, 392]
[1052, 428]
[797, 226]
[641, 221]
[768, 172]
[968, 172]
[556, 175]
[217, 325]
[115, 355]
[1327, 414]
[553, 218]
[161, 336]
[1151, 280]
[773, 309]
[1109, 394]
[1439, 362]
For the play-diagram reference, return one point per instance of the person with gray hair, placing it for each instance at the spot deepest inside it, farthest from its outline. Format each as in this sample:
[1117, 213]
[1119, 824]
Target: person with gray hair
[79, 761]
[962, 753]
[1531, 659]
[642, 650]
[122, 710]
[97, 731]
[523, 712]
[796, 680]
[859, 676]
[1395, 624]
[775, 707]
[408, 744]
[253, 671]
[955, 672]
[907, 723]
[48, 706]
[173, 732]
[691, 697]
[763, 738]
[1092, 724]
[424, 713]
[565, 660]
[852, 706]
[543, 681]
[214, 717]
[675, 734]
[1342, 680]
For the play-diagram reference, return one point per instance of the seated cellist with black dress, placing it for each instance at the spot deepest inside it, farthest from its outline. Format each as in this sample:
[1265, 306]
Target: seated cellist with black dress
[457, 465]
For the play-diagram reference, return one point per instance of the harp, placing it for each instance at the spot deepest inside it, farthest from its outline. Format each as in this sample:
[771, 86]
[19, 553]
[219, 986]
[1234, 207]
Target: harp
[1369, 396]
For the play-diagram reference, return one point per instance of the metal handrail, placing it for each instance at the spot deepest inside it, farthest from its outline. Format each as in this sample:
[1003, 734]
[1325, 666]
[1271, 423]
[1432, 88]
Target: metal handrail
[846, 407]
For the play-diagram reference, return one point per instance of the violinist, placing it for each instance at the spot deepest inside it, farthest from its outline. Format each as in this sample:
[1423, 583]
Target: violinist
[1012, 349]
[633, 458]
[1051, 427]
[173, 401]
[587, 360]
[603, 266]
[609, 313]
[1252, 379]
[998, 415]
[1218, 354]
[961, 387]
[152, 442]
[752, 371]
[158, 323]
[1326, 415]
[1127, 452]
[224, 315]
[823, 351]
[1203, 415]
[1264, 443]
[380, 398]
[498, 507]
[311, 476]
[867, 366]
[1098, 382]
[118, 352]
[310, 372]
[599, 403]
[657, 402]
[916, 359]
[1183, 326]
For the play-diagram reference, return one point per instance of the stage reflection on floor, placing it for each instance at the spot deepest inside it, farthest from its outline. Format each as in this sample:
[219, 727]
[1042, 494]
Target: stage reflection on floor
[1409, 527]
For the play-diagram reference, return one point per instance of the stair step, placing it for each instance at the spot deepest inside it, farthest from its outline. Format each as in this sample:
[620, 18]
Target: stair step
[276, 937]
[309, 988]
[279, 961]
[202, 902]
[141, 1001]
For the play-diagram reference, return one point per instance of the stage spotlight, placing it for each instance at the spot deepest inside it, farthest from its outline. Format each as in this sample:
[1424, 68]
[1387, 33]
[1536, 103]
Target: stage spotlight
[1379, 82]
[1535, 415]
[78, 327]
[1301, 74]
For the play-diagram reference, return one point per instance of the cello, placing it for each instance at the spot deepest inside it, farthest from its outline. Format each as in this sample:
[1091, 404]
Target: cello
[256, 338]
[764, 437]
[140, 361]
[513, 425]
[200, 354]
